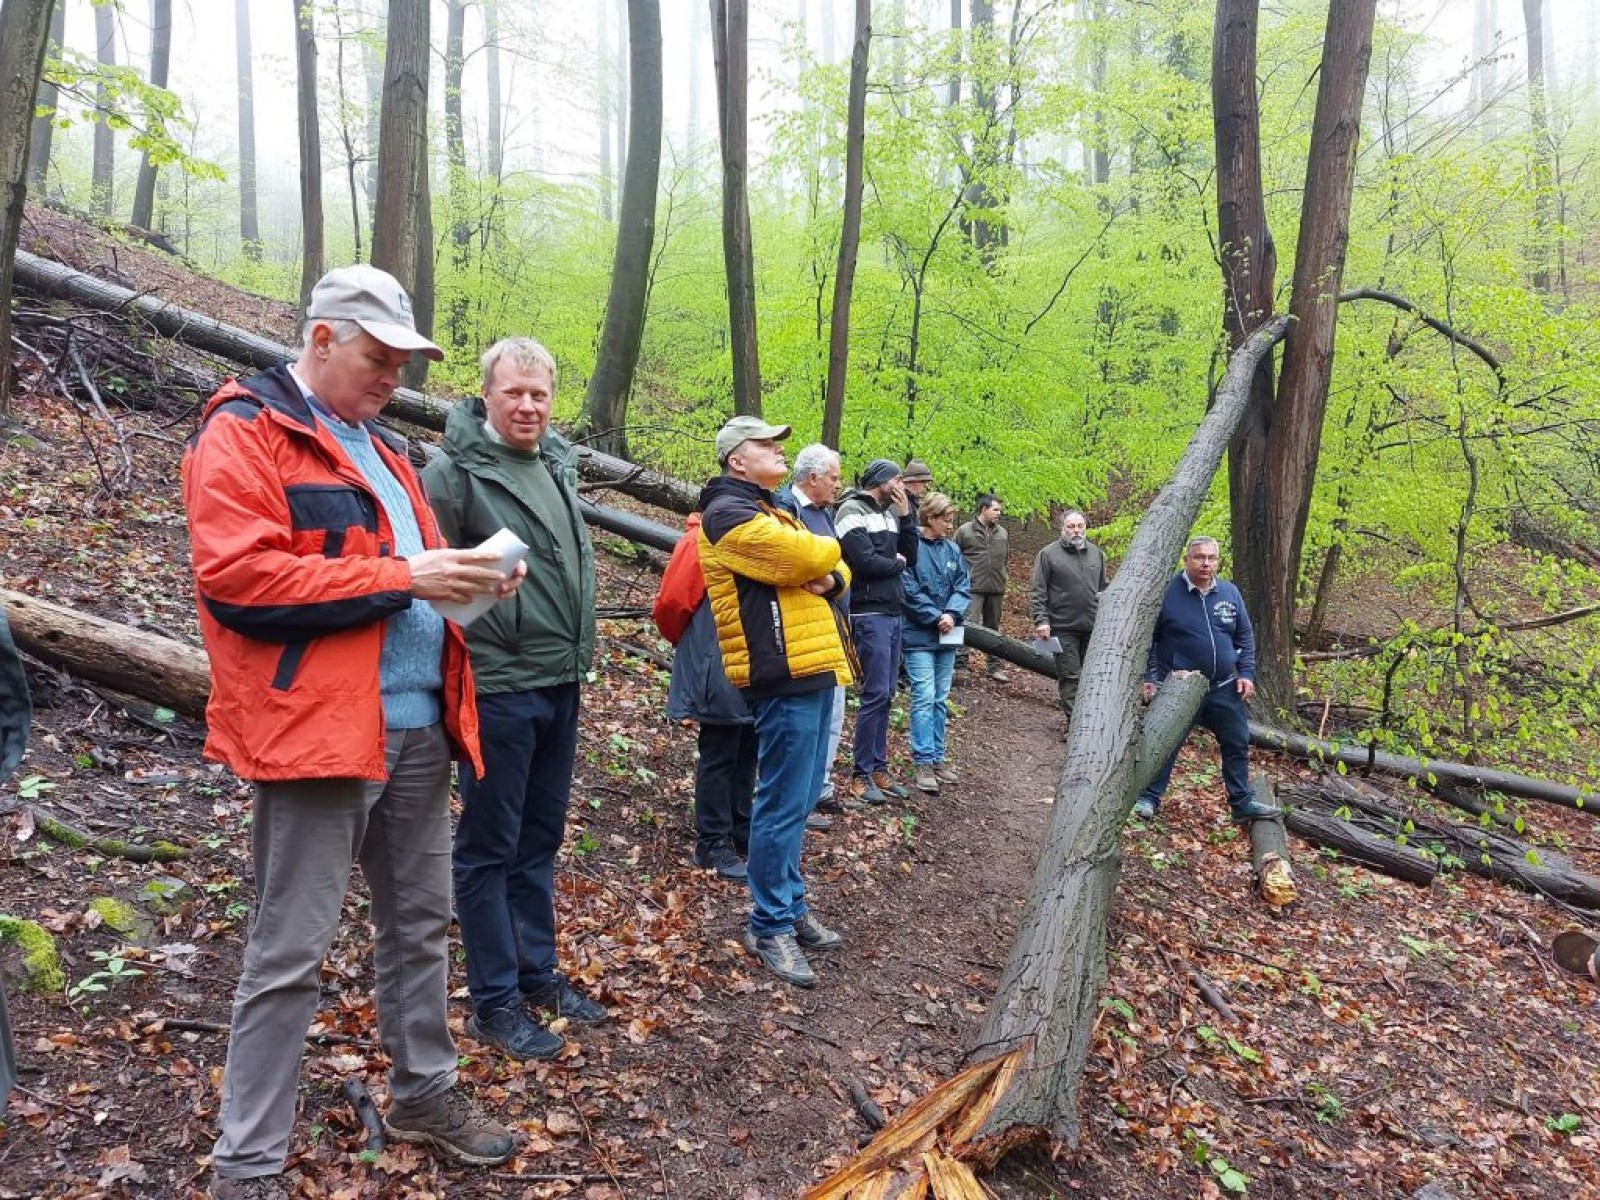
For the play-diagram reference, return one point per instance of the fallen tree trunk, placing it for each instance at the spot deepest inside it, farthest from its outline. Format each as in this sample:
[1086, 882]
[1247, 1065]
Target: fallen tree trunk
[128, 660]
[1509, 782]
[1272, 869]
[1379, 853]
[1047, 997]
[41, 276]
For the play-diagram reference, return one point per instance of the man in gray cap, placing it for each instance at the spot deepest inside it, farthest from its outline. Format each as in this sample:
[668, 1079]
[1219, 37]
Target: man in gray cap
[344, 697]
[918, 479]
[880, 545]
[770, 581]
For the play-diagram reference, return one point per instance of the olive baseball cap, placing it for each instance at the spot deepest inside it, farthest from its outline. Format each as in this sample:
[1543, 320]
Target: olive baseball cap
[374, 300]
[743, 429]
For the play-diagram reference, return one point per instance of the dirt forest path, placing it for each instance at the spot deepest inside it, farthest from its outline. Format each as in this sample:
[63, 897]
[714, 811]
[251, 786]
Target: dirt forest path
[927, 895]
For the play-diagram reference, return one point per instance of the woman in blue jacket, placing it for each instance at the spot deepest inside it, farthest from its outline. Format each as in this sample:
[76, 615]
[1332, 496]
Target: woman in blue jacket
[938, 592]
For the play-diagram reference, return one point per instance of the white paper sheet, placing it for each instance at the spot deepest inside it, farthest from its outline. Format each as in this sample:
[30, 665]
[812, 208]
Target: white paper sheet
[510, 548]
[956, 637]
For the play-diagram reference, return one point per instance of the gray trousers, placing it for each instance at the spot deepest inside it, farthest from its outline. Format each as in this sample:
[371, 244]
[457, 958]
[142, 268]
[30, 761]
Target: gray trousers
[835, 735]
[305, 836]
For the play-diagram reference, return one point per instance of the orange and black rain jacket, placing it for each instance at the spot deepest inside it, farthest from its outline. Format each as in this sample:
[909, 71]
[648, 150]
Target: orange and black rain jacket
[295, 576]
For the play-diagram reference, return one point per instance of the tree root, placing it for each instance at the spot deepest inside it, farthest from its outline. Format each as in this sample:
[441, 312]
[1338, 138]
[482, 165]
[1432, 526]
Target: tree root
[58, 830]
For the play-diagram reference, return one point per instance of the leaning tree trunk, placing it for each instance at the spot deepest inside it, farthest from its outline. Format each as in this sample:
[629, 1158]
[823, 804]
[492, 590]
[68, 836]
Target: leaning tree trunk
[24, 29]
[1046, 998]
[311, 224]
[849, 231]
[455, 152]
[1294, 435]
[605, 406]
[46, 278]
[144, 191]
[730, 27]
[129, 660]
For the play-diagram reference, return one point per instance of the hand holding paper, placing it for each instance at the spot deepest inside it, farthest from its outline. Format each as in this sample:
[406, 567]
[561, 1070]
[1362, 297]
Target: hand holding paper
[494, 562]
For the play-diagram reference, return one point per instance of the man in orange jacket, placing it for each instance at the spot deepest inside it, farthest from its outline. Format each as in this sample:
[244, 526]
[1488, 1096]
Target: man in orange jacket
[343, 696]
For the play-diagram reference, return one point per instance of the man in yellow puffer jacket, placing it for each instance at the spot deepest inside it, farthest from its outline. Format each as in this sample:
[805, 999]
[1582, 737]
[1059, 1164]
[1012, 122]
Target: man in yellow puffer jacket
[769, 580]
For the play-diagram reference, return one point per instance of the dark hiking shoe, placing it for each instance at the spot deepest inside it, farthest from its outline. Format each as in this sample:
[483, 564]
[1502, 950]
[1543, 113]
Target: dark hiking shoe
[812, 934]
[1144, 810]
[783, 957]
[562, 999]
[723, 859]
[821, 822]
[513, 1031]
[889, 787]
[866, 791]
[828, 804]
[453, 1125]
[926, 780]
[257, 1187]
[945, 774]
[1254, 810]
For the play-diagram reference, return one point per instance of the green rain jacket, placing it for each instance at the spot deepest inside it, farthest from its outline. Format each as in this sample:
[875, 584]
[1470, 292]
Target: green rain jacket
[543, 634]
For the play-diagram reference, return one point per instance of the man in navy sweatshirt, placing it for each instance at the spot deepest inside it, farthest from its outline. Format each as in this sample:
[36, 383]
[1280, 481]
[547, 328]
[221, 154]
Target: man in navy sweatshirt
[1203, 626]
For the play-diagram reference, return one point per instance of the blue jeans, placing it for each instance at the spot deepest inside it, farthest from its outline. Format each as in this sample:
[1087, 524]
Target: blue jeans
[791, 750]
[877, 638]
[512, 821]
[1223, 712]
[930, 672]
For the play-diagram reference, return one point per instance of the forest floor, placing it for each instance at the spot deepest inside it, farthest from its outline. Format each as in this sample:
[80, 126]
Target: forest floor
[1385, 1037]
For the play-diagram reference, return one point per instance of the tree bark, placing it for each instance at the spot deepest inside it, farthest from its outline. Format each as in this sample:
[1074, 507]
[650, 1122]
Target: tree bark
[1379, 853]
[249, 222]
[102, 178]
[619, 84]
[24, 30]
[372, 69]
[1543, 152]
[491, 34]
[849, 230]
[455, 145]
[1281, 499]
[310, 127]
[141, 664]
[402, 230]
[46, 278]
[1046, 999]
[986, 232]
[144, 191]
[730, 21]
[44, 125]
[1248, 267]
[604, 422]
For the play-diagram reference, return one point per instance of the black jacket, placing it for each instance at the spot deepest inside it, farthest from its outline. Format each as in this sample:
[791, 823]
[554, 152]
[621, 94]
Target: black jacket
[871, 535]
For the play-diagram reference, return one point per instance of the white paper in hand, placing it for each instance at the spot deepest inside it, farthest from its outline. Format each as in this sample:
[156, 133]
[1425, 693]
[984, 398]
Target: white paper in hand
[956, 635]
[510, 548]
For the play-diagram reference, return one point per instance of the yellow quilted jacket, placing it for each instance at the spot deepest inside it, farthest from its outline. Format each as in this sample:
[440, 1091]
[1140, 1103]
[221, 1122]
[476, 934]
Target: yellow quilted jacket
[776, 638]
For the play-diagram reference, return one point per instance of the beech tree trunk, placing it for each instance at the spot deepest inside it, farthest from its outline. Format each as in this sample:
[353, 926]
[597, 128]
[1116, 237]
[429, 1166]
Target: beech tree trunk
[849, 231]
[730, 23]
[311, 222]
[985, 231]
[1539, 120]
[604, 102]
[1046, 999]
[129, 660]
[24, 29]
[604, 422]
[44, 126]
[1248, 267]
[455, 146]
[402, 226]
[102, 177]
[1267, 545]
[144, 191]
[491, 35]
[249, 222]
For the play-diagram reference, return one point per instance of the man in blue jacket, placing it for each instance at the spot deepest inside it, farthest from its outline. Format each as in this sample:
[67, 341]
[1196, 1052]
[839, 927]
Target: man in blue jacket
[1203, 626]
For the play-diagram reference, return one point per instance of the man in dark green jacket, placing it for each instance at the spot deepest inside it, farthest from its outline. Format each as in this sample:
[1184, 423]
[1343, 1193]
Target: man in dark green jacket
[503, 468]
[1068, 577]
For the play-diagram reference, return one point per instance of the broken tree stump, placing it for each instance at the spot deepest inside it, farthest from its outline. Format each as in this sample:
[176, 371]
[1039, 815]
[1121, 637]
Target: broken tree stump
[1269, 850]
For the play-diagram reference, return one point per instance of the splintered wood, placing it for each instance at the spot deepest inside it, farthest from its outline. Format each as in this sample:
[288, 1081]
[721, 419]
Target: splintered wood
[921, 1153]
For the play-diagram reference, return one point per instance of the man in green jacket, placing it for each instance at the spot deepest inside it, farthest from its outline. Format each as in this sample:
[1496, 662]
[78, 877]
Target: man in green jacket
[503, 468]
[1068, 576]
[983, 542]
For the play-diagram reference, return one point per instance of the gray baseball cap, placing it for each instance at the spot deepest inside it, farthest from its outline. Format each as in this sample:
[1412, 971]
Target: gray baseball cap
[742, 429]
[374, 300]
